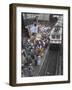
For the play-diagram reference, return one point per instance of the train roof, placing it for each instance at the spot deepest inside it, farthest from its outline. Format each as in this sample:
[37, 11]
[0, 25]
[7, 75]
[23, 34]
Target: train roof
[56, 31]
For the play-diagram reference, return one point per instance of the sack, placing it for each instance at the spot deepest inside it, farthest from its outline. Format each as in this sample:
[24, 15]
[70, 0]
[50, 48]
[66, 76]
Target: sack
[39, 60]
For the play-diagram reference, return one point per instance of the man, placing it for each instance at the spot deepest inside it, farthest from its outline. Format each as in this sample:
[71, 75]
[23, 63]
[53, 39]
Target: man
[30, 70]
[34, 29]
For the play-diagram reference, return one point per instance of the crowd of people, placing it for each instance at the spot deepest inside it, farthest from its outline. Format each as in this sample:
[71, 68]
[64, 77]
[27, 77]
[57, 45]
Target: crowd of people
[34, 47]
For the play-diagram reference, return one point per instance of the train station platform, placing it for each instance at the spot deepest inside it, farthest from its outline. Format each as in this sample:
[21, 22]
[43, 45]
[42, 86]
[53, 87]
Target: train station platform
[37, 69]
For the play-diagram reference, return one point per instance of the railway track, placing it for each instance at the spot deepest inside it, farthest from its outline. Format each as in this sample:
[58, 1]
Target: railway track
[53, 64]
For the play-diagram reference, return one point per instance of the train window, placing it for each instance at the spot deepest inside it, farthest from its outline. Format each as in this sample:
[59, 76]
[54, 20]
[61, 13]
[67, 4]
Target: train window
[53, 36]
[57, 36]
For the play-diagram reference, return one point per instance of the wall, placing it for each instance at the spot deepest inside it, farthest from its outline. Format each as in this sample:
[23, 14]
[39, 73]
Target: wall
[4, 45]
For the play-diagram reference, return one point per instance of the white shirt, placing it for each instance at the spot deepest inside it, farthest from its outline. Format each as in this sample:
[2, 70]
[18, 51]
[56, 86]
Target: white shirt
[34, 29]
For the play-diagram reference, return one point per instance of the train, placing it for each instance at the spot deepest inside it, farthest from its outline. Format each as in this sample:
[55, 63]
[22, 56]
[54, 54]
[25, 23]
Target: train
[56, 35]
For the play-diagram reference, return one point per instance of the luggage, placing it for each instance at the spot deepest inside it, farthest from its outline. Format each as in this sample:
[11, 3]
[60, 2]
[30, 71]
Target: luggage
[39, 60]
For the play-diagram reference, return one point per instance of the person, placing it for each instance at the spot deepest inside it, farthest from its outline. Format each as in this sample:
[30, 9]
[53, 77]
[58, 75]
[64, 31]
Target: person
[34, 29]
[36, 58]
[30, 70]
[25, 33]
